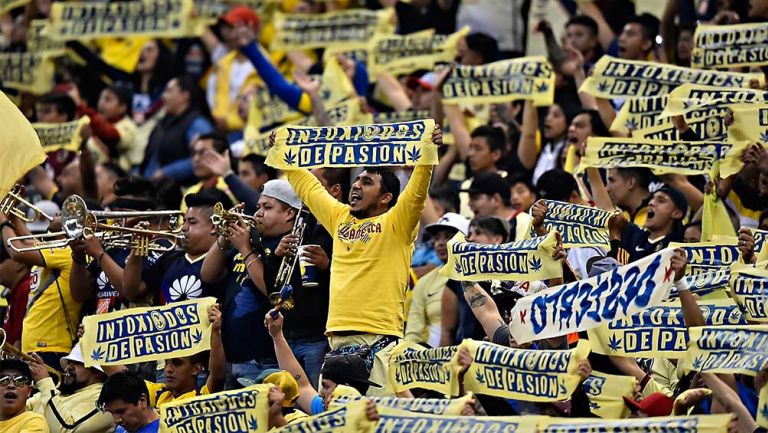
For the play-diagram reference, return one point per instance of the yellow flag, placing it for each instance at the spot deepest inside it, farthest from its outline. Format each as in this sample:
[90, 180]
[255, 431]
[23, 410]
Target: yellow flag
[39, 42]
[31, 72]
[403, 54]
[727, 349]
[588, 303]
[659, 331]
[433, 406]
[8, 5]
[526, 260]
[733, 46]
[706, 283]
[506, 80]
[349, 418]
[242, 410]
[55, 136]
[689, 97]
[347, 29]
[639, 113]
[656, 424]
[580, 226]
[709, 256]
[400, 116]
[523, 374]
[749, 286]
[147, 334]
[393, 420]
[413, 366]
[619, 78]
[707, 124]
[688, 158]
[750, 122]
[406, 143]
[88, 20]
[715, 220]
[606, 394]
[20, 148]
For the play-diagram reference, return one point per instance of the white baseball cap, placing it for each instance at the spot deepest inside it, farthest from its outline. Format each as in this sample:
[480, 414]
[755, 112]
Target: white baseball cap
[449, 221]
[76, 355]
[281, 189]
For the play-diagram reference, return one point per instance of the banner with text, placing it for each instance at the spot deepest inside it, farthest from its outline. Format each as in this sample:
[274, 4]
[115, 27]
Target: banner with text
[579, 226]
[31, 72]
[749, 286]
[660, 331]
[733, 46]
[530, 78]
[619, 78]
[690, 97]
[242, 410]
[147, 334]
[686, 158]
[413, 366]
[639, 113]
[523, 374]
[657, 424]
[393, 420]
[347, 29]
[526, 260]
[705, 257]
[705, 283]
[55, 136]
[406, 143]
[727, 349]
[586, 304]
[750, 122]
[404, 54]
[433, 406]
[349, 418]
[707, 123]
[606, 394]
[90, 20]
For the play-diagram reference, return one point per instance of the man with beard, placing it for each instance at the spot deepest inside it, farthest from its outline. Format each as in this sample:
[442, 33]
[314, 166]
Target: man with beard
[15, 389]
[71, 407]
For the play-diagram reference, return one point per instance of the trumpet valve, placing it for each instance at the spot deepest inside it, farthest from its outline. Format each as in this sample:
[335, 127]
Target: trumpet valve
[141, 245]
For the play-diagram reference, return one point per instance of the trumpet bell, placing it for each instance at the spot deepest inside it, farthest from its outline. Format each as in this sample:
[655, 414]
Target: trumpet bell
[74, 216]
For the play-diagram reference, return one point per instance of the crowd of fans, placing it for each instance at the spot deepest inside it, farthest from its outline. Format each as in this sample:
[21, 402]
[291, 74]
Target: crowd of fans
[166, 132]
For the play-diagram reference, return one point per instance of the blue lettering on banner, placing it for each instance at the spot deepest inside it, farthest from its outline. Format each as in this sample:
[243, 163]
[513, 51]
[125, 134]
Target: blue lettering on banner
[420, 422]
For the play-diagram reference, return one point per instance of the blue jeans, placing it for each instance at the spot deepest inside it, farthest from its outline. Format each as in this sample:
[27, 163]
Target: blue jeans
[248, 370]
[310, 352]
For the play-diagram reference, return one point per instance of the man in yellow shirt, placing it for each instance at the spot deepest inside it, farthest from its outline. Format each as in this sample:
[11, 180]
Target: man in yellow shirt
[372, 249]
[15, 389]
[52, 317]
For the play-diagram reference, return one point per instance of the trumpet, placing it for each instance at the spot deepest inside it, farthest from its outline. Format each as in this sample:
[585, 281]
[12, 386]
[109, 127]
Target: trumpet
[283, 298]
[12, 202]
[9, 351]
[222, 218]
[80, 223]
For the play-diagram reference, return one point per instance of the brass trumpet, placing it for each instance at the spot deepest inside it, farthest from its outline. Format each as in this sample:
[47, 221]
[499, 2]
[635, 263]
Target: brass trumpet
[79, 223]
[221, 218]
[11, 205]
[9, 351]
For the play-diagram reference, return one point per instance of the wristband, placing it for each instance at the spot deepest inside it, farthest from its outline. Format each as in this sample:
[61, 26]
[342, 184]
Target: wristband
[681, 285]
[219, 244]
[247, 265]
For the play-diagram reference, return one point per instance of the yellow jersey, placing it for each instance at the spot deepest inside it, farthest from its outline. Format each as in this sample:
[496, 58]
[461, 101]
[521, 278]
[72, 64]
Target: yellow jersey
[25, 422]
[371, 257]
[53, 315]
[159, 395]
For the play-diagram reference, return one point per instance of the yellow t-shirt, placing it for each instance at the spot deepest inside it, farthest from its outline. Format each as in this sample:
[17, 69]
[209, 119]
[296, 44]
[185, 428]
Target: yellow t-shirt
[159, 395]
[371, 257]
[26, 422]
[51, 321]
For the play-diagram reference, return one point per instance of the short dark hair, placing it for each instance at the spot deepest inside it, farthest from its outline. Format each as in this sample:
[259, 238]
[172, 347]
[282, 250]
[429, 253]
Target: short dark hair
[447, 197]
[514, 179]
[493, 135]
[491, 225]
[598, 127]
[63, 103]
[642, 175]
[556, 185]
[484, 45]
[123, 92]
[389, 182]
[136, 186]
[337, 175]
[125, 386]
[259, 165]
[207, 198]
[649, 25]
[220, 143]
[583, 20]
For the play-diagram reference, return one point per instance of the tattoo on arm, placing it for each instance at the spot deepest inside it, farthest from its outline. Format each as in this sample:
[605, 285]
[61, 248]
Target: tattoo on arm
[476, 297]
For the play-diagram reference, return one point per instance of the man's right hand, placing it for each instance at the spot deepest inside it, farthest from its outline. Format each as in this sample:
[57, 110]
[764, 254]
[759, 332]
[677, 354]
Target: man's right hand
[274, 324]
[538, 212]
[288, 246]
[616, 225]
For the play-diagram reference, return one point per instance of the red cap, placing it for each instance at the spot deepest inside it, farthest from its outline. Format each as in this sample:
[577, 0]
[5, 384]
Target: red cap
[241, 15]
[656, 404]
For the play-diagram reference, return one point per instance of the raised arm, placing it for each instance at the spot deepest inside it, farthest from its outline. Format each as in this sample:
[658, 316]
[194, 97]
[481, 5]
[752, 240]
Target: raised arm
[134, 287]
[604, 33]
[526, 150]
[483, 307]
[217, 361]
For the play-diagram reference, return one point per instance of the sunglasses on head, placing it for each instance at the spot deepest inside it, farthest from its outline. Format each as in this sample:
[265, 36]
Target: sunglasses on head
[18, 381]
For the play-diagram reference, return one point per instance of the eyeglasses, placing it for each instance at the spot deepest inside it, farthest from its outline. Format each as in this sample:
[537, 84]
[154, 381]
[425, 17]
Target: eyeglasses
[18, 381]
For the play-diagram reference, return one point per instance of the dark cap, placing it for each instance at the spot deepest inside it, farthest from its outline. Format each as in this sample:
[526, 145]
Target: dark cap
[489, 183]
[676, 196]
[15, 364]
[347, 369]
